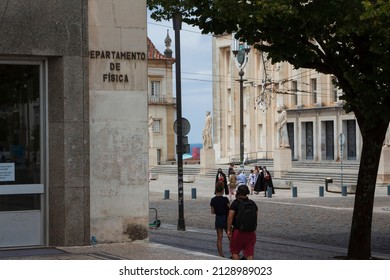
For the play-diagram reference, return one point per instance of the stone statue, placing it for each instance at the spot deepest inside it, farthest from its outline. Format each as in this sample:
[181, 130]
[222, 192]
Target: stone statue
[282, 130]
[206, 134]
[386, 143]
[150, 126]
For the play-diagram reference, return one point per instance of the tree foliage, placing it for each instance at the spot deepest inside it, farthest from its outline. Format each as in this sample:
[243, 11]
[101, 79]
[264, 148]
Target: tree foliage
[349, 39]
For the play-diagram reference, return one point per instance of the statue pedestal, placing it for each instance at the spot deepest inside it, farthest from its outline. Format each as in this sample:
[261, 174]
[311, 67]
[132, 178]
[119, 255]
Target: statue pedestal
[207, 160]
[152, 157]
[383, 177]
[282, 162]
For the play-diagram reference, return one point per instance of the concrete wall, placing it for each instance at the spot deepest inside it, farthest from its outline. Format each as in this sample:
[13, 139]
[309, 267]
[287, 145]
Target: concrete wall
[56, 31]
[99, 186]
[118, 120]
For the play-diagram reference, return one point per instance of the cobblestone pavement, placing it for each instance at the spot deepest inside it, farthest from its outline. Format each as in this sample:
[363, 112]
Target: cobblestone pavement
[306, 218]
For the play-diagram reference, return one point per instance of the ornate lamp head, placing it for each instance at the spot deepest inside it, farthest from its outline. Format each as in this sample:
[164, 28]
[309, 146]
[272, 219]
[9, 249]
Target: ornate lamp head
[241, 55]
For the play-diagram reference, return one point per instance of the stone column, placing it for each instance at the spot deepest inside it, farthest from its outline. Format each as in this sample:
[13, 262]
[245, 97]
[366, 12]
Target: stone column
[383, 177]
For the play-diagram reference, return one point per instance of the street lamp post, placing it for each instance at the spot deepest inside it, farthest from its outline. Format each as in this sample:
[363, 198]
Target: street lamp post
[177, 20]
[241, 59]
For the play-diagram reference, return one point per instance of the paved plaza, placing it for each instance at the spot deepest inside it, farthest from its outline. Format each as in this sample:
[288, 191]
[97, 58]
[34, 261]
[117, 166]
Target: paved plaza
[309, 222]
[303, 218]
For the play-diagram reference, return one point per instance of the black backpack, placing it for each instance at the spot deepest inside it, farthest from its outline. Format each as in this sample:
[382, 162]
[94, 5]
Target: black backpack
[246, 219]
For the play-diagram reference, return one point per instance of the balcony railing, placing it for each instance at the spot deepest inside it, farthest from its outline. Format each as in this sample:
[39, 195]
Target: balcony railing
[161, 100]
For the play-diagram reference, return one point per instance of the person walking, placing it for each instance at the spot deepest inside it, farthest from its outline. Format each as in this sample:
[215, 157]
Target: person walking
[242, 224]
[221, 177]
[220, 207]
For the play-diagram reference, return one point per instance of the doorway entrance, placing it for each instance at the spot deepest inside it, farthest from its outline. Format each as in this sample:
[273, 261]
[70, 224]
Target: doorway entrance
[309, 140]
[22, 154]
[329, 140]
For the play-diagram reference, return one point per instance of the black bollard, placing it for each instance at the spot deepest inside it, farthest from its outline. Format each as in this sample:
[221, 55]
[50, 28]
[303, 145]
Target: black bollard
[166, 194]
[321, 190]
[344, 190]
[193, 193]
[294, 192]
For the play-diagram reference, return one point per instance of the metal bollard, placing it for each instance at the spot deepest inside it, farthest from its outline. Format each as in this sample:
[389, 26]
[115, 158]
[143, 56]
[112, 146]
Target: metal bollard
[93, 240]
[193, 193]
[294, 192]
[166, 194]
[321, 190]
[388, 190]
[344, 190]
[269, 192]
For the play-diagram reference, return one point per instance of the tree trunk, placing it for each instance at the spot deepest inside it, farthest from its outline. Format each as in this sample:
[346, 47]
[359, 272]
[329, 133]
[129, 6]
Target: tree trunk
[360, 237]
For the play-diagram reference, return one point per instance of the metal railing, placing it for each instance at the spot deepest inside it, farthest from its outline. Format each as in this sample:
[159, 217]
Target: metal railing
[160, 100]
[251, 157]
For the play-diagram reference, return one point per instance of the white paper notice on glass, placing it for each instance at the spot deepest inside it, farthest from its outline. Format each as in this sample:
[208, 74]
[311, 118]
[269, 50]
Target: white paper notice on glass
[7, 172]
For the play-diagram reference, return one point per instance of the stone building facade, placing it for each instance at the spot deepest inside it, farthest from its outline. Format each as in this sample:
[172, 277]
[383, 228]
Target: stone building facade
[73, 115]
[316, 121]
[161, 103]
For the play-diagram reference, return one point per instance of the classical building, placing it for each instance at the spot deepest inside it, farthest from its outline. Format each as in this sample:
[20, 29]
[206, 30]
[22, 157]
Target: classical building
[161, 104]
[317, 126]
[74, 122]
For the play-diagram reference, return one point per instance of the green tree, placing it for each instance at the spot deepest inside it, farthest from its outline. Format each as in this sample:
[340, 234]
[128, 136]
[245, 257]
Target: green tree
[349, 39]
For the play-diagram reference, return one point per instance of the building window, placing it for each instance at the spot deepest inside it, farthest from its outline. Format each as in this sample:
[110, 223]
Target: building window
[313, 85]
[294, 89]
[156, 126]
[155, 88]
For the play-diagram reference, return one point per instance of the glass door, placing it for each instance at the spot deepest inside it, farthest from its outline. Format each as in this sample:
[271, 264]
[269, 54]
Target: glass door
[22, 191]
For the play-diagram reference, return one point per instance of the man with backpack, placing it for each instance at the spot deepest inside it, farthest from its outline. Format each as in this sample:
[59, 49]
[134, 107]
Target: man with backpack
[242, 224]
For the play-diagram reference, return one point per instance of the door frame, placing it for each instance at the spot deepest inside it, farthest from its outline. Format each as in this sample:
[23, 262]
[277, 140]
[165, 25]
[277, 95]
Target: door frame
[41, 188]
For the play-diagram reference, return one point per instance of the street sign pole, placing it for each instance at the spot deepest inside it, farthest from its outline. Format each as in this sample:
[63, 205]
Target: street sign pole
[177, 28]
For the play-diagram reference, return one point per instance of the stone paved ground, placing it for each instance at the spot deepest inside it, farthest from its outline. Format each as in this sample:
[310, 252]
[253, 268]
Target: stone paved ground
[310, 218]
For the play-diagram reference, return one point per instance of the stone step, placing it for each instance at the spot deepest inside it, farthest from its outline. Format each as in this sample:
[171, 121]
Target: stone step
[326, 165]
[172, 169]
[315, 172]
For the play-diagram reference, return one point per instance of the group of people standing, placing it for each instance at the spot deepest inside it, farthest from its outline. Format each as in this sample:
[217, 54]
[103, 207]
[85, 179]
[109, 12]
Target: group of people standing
[259, 180]
[238, 217]
[263, 181]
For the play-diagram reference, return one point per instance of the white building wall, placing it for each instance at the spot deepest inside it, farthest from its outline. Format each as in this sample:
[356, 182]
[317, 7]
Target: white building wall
[261, 136]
